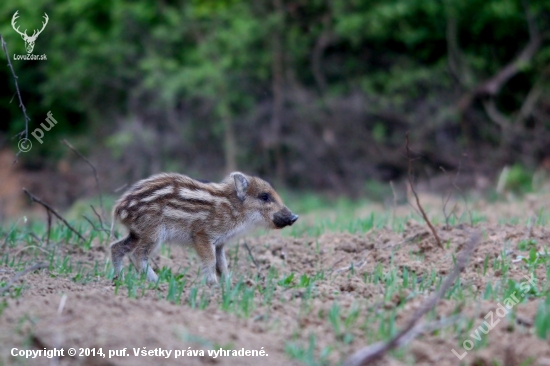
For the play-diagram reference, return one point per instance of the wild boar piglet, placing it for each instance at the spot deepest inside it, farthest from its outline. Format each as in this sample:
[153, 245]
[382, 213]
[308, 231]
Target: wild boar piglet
[175, 208]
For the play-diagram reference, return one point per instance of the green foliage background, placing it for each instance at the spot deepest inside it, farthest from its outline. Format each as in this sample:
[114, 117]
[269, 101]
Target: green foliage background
[164, 85]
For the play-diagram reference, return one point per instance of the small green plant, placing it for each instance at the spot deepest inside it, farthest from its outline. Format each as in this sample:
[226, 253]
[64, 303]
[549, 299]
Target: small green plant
[307, 354]
[542, 319]
[536, 259]
[269, 290]
[192, 299]
[287, 281]
[176, 285]
[527, 244]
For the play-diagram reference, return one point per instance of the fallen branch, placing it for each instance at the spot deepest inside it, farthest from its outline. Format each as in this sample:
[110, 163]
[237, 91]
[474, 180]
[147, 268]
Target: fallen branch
[411, 184]
[54, 212]
[367, 355]
[331, 269]
[18, 275]
[428, 327]
[353, 266]
[30, 247]
[66, 143]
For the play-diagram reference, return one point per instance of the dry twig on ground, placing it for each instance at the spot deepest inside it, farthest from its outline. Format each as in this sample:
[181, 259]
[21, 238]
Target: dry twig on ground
[18, 275]
[353, 266]
[411, 184]
[367, 355]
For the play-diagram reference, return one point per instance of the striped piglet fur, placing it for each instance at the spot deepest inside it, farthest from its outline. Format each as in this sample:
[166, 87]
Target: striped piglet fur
[175, 208]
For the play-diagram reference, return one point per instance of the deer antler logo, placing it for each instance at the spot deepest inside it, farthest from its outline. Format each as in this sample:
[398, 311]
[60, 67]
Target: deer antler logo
[29, 40]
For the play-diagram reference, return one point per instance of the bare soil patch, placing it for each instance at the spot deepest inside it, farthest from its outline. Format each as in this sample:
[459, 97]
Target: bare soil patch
[94, 316]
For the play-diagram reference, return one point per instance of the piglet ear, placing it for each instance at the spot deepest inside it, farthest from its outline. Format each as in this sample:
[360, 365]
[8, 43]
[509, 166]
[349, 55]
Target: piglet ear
[241, 184]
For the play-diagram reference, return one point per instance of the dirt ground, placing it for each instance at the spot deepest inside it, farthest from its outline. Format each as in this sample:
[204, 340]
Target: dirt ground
[53, 310]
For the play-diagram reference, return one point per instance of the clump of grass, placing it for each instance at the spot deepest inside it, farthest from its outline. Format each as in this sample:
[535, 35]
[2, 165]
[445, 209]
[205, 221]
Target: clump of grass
[343, 324]
[307, 354]
[542, 319]
[238, 298]
[176, 285]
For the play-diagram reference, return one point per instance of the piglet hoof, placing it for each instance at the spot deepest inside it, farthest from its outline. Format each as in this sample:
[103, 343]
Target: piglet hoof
[117, 279]
[212, 281]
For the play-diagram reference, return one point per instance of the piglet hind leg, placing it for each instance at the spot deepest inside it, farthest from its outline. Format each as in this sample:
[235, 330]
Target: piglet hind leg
[221, 262]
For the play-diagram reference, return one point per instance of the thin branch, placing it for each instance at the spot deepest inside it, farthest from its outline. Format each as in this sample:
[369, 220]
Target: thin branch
[458, 68]
[495, 115]
[353, 266]
[331, 269]
[434, 232]
[428, 327]
[394, 208]
[530, 225]
[462, 195]
[29, 247]
[251, 256]
[445, 200]
[36, 238]
[49, 228]
[120, 188]
[99, 218]
[91, 223]
[492, 86]
[326, 39]
[54, 212]
[18, 275]
[376, 351]
[66, 143]
[21, 105]
[530, 101]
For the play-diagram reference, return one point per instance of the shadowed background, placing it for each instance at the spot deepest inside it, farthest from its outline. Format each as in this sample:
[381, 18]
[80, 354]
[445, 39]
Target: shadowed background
[313, 95]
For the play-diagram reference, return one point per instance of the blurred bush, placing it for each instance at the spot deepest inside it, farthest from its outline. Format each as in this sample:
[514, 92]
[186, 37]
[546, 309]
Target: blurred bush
[315, 94]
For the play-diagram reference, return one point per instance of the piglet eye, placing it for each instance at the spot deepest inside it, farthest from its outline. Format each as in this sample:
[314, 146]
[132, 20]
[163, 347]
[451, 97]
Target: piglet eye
[264, 197]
